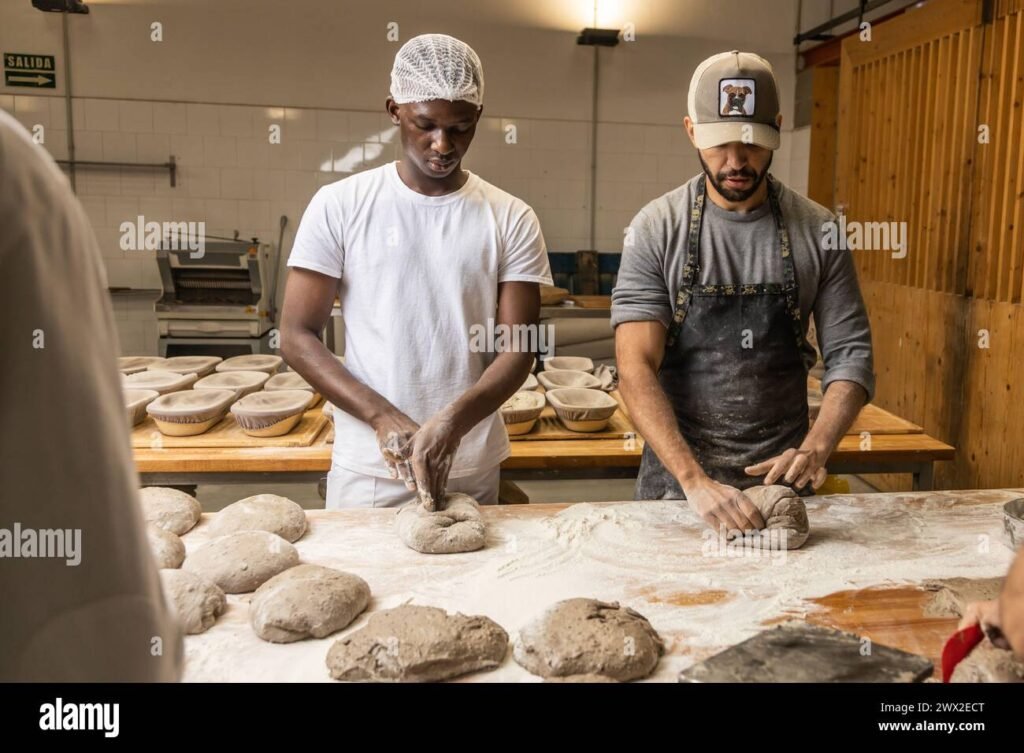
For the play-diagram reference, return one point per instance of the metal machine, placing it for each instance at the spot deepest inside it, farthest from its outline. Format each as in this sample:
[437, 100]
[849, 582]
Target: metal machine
[218, 303]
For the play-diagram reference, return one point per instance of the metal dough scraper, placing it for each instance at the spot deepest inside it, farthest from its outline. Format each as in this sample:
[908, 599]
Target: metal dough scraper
[800, 652]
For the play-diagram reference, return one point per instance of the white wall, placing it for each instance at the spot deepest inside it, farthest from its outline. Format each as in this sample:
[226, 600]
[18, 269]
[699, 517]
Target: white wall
[227, 69]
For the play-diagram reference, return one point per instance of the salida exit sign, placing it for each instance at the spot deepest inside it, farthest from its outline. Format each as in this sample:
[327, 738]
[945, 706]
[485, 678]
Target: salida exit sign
[27, 69]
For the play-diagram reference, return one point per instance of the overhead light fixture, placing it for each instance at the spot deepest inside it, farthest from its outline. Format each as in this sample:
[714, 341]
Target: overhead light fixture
[594, 37]
[60, 6]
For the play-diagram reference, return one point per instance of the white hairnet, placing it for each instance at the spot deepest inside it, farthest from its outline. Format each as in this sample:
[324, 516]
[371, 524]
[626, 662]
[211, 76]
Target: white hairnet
[436, 66]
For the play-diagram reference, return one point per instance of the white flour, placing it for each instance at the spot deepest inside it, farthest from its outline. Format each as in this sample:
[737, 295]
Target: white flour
[644, 554]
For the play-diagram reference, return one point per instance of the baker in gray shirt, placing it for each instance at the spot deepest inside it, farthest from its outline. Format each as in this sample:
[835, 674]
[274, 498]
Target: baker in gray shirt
[719, 279]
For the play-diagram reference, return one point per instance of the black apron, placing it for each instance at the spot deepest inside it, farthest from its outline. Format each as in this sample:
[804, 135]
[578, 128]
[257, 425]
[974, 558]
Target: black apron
[735, 405]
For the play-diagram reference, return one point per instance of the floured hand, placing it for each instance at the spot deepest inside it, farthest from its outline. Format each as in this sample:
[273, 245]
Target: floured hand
[394, 434]
[722, 506]
[432, 450]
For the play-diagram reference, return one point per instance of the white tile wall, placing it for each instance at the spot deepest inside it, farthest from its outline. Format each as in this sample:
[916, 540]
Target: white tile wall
[231, 177]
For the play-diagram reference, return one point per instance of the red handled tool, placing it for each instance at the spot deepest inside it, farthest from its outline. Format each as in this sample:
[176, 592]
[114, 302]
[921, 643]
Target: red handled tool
[959, 645]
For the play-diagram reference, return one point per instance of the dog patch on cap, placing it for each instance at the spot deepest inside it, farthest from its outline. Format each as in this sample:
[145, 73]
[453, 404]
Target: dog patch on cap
[736, 97]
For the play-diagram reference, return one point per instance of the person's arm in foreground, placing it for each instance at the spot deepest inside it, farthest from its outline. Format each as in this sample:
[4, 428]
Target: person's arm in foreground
[433, 447]
[639, 349]
[309, 297]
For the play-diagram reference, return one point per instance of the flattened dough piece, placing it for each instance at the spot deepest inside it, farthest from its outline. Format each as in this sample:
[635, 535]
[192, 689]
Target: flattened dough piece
[197, 602]
[168, 549]
[785, 517]
[417, 644]
[170, 509]
[586, 636]
[988, 663]
[261, 512]
[952, 595]
[307, 601]
[243, 561]
[457, 528]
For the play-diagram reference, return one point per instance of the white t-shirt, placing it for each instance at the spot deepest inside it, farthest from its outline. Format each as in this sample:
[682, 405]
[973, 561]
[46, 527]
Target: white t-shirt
[417, 274]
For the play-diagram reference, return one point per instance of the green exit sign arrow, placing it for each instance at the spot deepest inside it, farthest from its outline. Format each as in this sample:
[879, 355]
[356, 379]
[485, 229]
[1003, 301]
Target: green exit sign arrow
[26, 69]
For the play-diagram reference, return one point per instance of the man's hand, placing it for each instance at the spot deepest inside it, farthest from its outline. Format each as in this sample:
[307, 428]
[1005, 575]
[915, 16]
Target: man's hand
[795, 467]
[395, 431]
[723, 506]
[432, 450]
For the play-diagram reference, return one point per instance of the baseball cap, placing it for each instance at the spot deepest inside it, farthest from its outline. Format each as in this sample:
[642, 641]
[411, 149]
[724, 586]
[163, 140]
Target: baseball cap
[729, 91]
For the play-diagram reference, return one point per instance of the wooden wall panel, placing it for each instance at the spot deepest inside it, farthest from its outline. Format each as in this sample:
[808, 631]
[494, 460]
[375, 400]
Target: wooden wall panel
[996, 240]
[921, 365]
[825, 107]
[910, 104]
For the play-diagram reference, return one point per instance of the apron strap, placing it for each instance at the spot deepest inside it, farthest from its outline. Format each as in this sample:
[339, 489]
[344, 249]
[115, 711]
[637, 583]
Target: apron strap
[692, 264]
[684, 294]
[790, 287]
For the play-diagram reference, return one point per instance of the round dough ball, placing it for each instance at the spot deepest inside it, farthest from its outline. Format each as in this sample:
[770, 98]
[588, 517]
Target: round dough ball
[417, 644]
[168, 549]
[262, 512]
[457, 528]
[785, 517]
[197, 602]
[170, 509]
[585, 636]
[242, 562]
[307, 601]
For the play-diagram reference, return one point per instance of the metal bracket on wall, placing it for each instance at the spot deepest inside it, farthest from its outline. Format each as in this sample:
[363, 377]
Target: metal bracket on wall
[818, 33]
[171, 165]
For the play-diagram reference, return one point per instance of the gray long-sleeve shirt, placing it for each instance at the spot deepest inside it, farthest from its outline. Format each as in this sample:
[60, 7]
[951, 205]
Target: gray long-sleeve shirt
[742, 248]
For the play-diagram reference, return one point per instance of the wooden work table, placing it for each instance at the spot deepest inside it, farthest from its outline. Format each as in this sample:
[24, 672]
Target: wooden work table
[579, 306]
[861, 570]
[896, 446]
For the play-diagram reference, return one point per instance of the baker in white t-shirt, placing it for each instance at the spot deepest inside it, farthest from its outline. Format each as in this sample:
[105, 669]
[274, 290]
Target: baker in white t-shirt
[424, 256]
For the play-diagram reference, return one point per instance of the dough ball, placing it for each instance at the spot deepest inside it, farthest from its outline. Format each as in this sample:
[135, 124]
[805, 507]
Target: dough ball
[168, 549]
[197, 602]
[585, 636]
[785, 517]
[417, 644]
[242, 562]
[307, 601]
[262, 512]
[457, 528]
[988, 663]
[170, 509]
